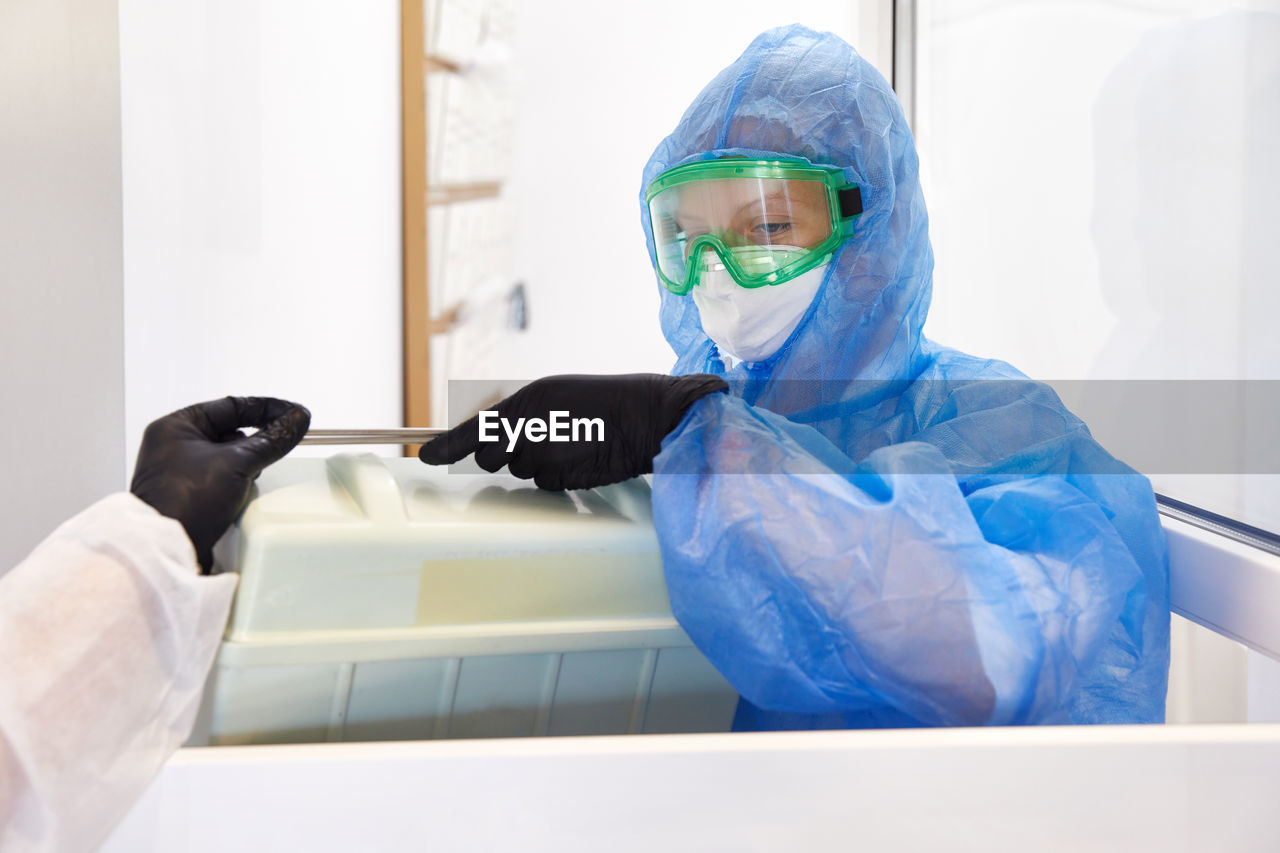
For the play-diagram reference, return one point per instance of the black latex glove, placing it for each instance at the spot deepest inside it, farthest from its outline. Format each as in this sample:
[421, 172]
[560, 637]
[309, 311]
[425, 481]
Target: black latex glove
[638, 411]
[196, 465]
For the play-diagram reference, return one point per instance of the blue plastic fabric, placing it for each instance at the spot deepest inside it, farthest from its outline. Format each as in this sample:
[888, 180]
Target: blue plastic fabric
[870, 529]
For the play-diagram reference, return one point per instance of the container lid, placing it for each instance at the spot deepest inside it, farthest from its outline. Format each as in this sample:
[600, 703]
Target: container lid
[370, 545]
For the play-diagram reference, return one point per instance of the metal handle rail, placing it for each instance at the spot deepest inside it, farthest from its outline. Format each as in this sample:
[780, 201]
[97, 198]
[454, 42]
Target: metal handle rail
[415, 435]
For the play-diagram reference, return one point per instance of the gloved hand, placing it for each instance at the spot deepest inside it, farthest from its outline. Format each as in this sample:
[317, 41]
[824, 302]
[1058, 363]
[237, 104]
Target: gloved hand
[638, 410]
[197, 466]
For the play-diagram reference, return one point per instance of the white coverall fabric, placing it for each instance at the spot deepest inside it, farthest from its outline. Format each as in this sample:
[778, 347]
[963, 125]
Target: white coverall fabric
[107, 632]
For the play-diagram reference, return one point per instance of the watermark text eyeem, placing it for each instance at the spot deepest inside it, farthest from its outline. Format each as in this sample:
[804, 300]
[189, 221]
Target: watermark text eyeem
[559, 426]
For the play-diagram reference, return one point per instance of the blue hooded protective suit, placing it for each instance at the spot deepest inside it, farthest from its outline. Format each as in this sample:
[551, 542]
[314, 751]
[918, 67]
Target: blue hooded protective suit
[870, 529]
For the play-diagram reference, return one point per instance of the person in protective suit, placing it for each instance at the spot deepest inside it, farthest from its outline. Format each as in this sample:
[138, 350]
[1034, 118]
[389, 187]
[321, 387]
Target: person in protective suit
[859, 527]
[108, 629]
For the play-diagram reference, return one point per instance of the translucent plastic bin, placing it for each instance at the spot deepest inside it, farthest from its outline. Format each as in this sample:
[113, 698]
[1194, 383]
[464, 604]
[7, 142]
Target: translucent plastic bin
[382, 599]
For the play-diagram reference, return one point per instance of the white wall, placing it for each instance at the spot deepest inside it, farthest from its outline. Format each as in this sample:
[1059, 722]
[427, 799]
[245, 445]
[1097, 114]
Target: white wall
[600, 84]
[1094, 174]
[262, 206]
[61, 375]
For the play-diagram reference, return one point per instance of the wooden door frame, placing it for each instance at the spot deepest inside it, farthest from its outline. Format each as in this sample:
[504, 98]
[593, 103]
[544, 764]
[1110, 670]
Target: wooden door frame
[413, 138]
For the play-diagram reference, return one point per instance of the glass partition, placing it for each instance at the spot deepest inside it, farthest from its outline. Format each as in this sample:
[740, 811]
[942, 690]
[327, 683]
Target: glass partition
[1102, 180]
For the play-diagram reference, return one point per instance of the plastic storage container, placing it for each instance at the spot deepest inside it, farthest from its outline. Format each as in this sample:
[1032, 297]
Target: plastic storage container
[382, 599]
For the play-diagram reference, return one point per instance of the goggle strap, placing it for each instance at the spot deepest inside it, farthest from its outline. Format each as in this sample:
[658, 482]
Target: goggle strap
[850, 199]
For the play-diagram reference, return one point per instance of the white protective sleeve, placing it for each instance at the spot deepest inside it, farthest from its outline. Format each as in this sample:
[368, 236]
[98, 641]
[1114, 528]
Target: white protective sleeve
[107, 631]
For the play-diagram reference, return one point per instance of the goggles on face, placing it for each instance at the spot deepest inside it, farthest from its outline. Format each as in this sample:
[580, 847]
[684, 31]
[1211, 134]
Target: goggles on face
[765, 221]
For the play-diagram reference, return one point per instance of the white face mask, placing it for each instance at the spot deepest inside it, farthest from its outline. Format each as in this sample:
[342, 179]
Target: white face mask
[751, 323]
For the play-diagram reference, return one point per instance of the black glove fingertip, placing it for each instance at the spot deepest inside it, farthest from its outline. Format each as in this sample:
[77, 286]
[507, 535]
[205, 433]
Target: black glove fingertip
[274, 441]
[435, 451]
[491, 457]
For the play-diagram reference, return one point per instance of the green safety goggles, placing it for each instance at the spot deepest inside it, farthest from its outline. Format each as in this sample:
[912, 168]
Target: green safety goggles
[765, 221]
